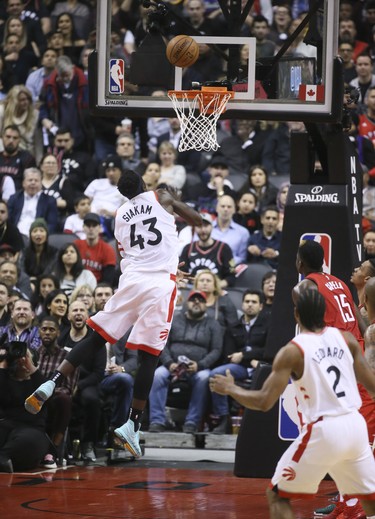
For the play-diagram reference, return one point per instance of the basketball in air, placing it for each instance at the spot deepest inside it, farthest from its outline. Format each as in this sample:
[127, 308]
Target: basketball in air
[182, 51]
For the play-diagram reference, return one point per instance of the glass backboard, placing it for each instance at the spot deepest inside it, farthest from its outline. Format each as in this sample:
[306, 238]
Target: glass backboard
[297, 77]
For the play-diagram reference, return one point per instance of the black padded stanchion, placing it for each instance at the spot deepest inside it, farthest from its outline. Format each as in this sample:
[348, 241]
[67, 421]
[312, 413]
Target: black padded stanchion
[323, 205]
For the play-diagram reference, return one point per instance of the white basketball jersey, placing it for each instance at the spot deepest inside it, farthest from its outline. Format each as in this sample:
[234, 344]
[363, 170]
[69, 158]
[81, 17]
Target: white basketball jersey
[147, 236]
[328, 386]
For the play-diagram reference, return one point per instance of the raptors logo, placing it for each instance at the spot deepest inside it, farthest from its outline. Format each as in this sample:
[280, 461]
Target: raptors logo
[164, 334]
[289, 474]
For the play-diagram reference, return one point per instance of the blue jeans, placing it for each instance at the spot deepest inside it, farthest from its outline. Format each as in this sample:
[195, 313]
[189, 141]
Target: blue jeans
[159, 393]
[120, 386]
[220, 406]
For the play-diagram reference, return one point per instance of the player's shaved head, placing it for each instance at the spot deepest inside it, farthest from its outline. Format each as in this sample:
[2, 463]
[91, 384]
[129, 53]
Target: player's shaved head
[130, 184]
[311, 254]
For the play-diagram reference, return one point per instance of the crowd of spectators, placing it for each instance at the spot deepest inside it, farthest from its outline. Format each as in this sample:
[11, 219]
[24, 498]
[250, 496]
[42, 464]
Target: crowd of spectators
[58, 171]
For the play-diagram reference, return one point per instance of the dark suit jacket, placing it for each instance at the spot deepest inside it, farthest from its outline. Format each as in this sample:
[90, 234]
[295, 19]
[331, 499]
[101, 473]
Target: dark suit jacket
[251, 342]
[46, 209]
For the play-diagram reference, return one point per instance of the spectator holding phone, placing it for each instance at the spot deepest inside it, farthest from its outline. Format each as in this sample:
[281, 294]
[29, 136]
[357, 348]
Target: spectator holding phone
[198, 337]
[23, 441]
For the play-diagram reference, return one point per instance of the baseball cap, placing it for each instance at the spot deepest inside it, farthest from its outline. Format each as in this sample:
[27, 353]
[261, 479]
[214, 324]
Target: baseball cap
[5, 247]
[112, 161]
[207, 217]
[197, 293]
[219, 161]
[92, 217]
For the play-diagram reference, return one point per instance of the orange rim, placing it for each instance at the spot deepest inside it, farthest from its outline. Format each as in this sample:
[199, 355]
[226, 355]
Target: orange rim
[206, 94]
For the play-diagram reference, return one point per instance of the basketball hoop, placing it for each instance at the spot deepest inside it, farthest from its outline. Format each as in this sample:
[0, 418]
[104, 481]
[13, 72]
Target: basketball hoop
[198, 112]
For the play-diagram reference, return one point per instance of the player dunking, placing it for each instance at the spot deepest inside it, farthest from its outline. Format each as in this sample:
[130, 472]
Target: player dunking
[323, 364]
[146, 233]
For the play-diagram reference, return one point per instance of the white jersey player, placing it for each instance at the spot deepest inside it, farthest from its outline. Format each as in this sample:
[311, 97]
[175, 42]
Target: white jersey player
[324, 364]
[146, 233]
[328, 386]
[148, 244]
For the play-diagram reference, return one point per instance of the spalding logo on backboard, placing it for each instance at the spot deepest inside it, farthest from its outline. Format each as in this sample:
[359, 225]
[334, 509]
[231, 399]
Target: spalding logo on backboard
[116, 76]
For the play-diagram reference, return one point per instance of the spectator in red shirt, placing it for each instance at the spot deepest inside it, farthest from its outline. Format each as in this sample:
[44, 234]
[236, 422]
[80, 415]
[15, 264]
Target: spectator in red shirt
[97, 255]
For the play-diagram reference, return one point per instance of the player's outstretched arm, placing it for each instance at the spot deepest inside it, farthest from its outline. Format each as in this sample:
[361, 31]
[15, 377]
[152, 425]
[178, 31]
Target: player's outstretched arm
[169, 199]
[187, 213]
[364, 371]
[288, 360]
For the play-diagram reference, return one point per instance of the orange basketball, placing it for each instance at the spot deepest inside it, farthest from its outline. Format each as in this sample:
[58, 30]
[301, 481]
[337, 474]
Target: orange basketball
[182, 51]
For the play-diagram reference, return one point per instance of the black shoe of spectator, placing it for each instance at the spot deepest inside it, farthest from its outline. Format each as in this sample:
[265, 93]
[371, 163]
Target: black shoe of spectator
[6, 465]
[156, 428]
[222, 426]
[190, 428]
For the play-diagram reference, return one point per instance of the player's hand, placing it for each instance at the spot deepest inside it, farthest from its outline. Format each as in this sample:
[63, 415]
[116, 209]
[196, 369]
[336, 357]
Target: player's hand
[174, 192]
[183, 278]
[169, 190]
[222, 385]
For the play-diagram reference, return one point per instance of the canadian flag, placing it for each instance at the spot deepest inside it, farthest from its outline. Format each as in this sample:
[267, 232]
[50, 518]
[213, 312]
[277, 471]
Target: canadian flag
[311, 93]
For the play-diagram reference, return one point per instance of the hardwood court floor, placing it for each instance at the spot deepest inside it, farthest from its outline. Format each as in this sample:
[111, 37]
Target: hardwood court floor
[142, 490]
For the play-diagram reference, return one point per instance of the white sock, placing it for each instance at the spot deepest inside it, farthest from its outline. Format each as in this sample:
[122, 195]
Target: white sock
[351, 502]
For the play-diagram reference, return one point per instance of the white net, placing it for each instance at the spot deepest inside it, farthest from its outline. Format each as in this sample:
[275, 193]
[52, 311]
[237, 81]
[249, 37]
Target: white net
[198, 119]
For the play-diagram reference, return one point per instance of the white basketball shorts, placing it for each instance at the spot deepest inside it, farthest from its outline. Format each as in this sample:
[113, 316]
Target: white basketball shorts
[334, 445]
[145, 301]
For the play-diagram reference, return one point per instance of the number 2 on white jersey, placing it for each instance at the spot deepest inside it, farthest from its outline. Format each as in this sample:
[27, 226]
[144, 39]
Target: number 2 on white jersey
[345, 308]
[336, 371]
